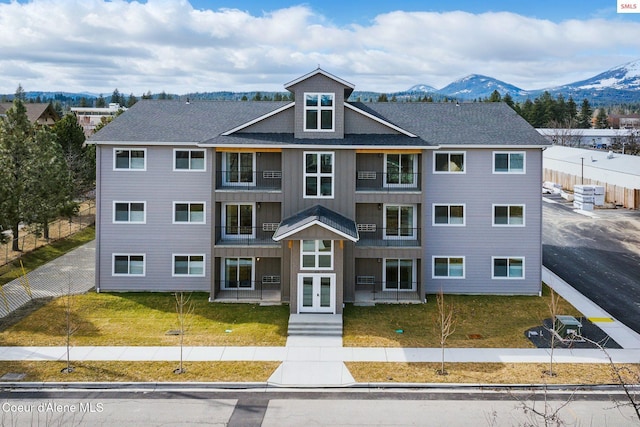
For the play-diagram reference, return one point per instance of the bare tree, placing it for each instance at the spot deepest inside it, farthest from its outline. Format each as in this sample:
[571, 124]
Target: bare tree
[446, 325]
[553, 310]
[70, 327]
[184, 310]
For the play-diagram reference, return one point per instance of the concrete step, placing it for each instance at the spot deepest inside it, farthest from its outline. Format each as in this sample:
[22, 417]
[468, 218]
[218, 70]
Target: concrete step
[315, 325]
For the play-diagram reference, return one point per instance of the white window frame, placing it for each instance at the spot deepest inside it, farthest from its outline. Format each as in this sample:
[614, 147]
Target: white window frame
[316, 253]
[189, 261]
[113, 265]
[414, 177]
[448, 205]
[224, 278]
[508, 258]
[190, 203]
[413, 275]
[189, 169]
[223, 216]
[448, 276]
[509, 170]
[129, 149]
[508, 206]
[449, 153]
[414, 219]
[319, 108]
[225, 170]
[318, 175]
[129, 203]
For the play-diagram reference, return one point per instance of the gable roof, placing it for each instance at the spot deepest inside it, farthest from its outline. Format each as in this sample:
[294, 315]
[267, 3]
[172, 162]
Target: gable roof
[349, 87]
[321, 216]
[35, 111]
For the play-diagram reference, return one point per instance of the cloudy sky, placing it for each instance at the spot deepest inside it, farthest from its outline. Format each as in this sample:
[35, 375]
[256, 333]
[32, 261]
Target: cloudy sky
[182, 46]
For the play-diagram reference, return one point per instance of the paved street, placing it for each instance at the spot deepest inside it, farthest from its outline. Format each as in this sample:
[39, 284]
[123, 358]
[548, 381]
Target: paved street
[364, 407]
[599, 256]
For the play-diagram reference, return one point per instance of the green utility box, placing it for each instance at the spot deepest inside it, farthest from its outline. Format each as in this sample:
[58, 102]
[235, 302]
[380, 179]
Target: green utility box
[567, 327]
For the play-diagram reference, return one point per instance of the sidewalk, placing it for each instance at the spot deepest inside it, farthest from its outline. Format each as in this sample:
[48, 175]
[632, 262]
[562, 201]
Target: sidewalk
[307, 361]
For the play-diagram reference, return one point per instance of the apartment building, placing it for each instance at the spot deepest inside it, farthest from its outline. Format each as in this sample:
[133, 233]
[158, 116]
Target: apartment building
[321, 201]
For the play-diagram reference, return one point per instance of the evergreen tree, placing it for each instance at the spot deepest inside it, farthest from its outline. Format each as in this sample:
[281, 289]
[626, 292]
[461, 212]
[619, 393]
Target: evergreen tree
[584, 119]
[80, 158]
[100, 102]
[163, 95]
[34, 183]
[508, 100]
[383, 98]
[495, 96]
[147, 95]
[20, 94]
[601, 119]
[572, 109]
[131, 101]
[117, 98]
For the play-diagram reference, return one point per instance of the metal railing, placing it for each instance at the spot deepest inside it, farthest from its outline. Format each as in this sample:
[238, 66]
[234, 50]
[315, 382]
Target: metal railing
[30, 238]
[246, 236]
[371, 235]
[384, 291]
[247, 290]
[249, 180]
[387, 182]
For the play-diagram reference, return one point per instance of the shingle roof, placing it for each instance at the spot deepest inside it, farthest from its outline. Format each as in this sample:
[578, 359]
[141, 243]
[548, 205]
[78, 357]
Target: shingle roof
[434, 124]
[317, 215]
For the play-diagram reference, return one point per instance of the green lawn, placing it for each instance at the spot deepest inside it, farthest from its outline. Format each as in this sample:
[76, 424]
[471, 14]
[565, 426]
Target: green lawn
[480, 321]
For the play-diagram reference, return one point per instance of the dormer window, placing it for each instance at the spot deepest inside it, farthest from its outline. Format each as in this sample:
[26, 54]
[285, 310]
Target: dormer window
[319, 111]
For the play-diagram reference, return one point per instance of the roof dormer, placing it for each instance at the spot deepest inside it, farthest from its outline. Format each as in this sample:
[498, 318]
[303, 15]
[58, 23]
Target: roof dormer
[319, 109]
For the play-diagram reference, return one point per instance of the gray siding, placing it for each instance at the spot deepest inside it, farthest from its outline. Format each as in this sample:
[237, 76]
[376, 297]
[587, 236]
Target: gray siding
[358, 124]
[279, 123]
[319, 84]
[479, 188]
[159, 186]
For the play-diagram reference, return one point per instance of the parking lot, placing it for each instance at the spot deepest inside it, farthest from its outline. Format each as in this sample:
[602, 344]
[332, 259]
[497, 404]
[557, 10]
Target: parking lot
[598, 254]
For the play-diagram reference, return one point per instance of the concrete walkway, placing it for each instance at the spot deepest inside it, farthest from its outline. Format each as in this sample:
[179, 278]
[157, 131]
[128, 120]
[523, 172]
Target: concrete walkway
[307, 361]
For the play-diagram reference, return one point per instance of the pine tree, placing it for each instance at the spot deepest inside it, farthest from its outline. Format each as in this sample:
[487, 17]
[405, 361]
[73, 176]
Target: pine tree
[584, 119]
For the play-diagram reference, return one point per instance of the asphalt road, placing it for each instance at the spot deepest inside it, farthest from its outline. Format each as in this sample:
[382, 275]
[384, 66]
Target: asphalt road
[363, 407]
[600, 257]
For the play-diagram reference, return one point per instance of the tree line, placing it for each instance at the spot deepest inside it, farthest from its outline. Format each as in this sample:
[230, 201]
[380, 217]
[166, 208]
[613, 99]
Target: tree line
[44, 171]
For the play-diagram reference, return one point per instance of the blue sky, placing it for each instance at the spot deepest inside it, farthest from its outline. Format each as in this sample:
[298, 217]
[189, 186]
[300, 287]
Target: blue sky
[183, 46]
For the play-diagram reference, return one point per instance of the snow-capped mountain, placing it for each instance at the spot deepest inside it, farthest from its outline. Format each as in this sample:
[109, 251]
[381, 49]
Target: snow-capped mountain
[619, 84]
[422, 88]
[477, 86]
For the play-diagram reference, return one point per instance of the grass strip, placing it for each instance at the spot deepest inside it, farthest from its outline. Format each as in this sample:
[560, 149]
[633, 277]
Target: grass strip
[114, 371]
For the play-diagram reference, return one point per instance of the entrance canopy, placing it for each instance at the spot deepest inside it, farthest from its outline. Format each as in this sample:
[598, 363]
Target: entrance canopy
[320, 216]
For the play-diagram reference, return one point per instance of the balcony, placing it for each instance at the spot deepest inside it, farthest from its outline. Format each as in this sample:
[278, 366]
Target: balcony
[266, 180]
[372, 235]
[235, 235]
[371, 291]
[247, 291]
[387, 182]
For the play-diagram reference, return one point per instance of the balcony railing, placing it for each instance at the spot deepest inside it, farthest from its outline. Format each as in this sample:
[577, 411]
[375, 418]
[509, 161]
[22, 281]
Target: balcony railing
[232, 290]
[249, 180]
[247, 236]
[384, 291]
[371, 235]
[387, 182]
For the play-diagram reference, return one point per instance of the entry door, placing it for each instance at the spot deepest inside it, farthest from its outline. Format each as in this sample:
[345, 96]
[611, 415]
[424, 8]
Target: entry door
[316, 293]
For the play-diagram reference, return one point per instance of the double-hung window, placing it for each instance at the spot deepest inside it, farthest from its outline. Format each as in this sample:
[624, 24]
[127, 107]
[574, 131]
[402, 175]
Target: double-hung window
[239, 168]
[399, 222]
[449, 162]
[189, 160]
[238, 220]
[448, 267]
[238, 273]
[128, 265]
[509, 162]
[319, 175]
[319, 111]
[399, 274]
[129, 159]
[189, 212]
[129, 212]
[507, 268]
[400, 169]
[188, 265]
[316, 254]
[508, 215]
[448, 214]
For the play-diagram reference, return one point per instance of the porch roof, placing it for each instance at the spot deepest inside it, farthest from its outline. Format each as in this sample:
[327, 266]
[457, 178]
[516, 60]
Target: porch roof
[321, 216]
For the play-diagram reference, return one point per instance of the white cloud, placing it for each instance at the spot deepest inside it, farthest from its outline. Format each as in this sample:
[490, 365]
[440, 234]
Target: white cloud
[96, 46]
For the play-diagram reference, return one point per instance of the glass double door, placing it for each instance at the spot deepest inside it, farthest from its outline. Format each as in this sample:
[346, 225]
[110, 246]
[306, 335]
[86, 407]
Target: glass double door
[316, 293]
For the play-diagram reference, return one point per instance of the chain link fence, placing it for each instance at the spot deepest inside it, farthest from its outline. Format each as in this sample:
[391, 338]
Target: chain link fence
[28, 240]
